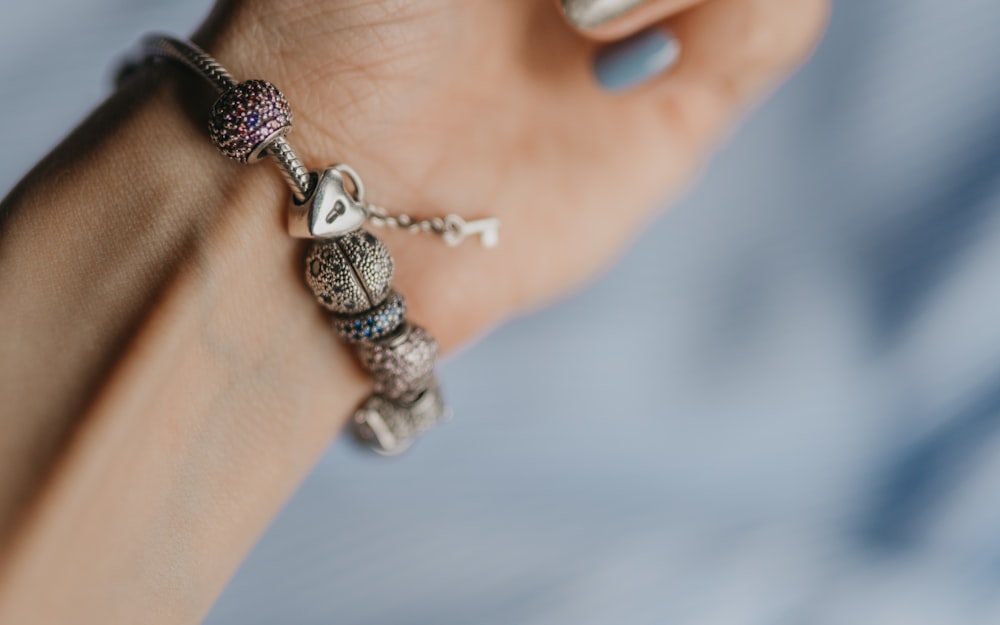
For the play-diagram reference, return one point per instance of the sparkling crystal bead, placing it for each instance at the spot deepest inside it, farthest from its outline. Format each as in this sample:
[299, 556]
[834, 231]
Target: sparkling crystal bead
[402, 364]
[247, 118]
[349, 274]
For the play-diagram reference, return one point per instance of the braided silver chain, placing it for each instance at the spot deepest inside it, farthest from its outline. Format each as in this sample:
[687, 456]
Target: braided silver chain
[195, 58]
[292, 169]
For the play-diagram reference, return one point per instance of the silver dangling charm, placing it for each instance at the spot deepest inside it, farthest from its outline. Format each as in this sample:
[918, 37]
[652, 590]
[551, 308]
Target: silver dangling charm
[329, 211]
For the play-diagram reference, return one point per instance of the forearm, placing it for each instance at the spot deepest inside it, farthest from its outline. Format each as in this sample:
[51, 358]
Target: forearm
[163, 388]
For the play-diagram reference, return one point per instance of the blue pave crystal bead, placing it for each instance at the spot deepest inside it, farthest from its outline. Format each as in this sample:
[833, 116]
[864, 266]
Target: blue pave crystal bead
[374, 323]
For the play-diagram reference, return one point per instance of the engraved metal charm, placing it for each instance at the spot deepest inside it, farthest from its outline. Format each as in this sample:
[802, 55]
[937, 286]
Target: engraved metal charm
[389, 427]
[330, 211]
[456, 229]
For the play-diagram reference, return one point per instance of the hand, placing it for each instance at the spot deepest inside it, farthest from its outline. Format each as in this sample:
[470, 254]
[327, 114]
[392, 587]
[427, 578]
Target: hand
[491, 108]
[162, 319]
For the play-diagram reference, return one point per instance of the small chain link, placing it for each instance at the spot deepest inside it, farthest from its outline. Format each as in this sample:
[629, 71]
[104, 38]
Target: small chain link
[453, 229]
[381, 218]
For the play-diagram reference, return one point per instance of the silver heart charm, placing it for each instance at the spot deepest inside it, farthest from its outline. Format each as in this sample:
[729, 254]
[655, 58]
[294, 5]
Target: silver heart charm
[330, 211]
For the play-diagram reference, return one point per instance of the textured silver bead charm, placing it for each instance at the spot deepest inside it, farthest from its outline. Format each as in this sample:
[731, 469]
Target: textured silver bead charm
[247, 118]
[401, 364]
[389, 427]
[374, 323]
[349, 274]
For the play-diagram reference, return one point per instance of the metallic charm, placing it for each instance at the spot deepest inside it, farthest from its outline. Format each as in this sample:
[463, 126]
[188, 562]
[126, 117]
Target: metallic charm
[349, 274]
[389, 427]
[248, 118]
[456, 229]
[372, 324]
[330, 210]
[402, 364]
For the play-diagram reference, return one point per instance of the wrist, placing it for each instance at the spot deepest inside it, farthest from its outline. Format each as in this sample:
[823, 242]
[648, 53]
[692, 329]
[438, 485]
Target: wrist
[349, 106]
[168, 333]
[349, 270]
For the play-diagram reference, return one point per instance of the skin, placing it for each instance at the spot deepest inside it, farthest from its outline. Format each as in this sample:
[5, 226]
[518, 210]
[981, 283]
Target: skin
[168, 380]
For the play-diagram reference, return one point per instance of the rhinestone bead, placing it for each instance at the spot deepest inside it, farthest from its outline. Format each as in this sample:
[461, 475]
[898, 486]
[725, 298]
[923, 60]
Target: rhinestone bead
[247, 118]
[402, 364]
[349, 274]
[389, 427]
[374, 323]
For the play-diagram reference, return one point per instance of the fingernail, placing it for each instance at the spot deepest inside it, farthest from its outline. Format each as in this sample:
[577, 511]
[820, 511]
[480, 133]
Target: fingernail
[635, 60]
[591, 14]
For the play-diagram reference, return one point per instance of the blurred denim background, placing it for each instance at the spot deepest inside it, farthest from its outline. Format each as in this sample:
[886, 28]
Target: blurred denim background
[782, 406]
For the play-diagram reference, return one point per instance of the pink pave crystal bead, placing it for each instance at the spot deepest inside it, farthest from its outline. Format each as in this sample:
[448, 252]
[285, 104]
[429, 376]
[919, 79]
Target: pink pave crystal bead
[248, 118]
[402, 364]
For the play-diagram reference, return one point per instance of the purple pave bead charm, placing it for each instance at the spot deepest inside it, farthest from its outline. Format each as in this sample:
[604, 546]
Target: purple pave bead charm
[247, 118]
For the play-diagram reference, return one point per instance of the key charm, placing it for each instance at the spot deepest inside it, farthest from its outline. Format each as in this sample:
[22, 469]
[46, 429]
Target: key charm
[456, 229]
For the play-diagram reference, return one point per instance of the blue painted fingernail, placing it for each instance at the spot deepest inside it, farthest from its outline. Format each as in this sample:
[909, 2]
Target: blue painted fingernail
[635, 60]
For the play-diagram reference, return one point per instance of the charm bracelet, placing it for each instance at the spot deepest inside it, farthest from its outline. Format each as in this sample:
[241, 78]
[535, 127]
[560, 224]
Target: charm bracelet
[348, 269]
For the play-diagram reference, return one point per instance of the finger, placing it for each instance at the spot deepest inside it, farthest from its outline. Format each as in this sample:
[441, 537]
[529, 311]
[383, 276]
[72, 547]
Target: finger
[733, 50]
[729, 50]
[605, 20]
